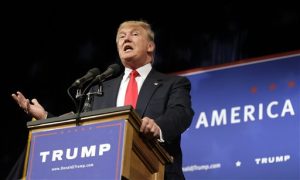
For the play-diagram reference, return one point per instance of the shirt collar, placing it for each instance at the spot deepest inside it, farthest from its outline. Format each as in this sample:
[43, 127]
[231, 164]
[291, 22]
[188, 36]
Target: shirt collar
[143, 71]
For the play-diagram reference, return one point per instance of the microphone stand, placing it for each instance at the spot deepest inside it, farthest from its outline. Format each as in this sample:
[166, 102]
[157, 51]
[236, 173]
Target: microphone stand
[87, 105]
[79, 96]
[72, 98]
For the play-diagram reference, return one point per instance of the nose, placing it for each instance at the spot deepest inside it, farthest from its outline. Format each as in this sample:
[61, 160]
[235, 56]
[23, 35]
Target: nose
[127, 37]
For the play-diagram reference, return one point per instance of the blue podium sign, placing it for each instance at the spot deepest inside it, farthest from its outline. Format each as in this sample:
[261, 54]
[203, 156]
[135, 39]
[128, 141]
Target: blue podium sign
[84, 152]
[246, 123]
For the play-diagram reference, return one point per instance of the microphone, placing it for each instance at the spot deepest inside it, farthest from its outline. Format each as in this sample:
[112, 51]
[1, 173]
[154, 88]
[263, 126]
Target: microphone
[91, 74]
[112, 70]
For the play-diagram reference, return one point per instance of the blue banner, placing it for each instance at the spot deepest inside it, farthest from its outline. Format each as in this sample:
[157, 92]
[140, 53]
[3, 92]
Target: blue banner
[84, 152]
[246, 123]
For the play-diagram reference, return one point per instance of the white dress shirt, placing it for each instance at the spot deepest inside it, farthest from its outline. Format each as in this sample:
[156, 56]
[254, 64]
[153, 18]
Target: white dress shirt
[143, 73]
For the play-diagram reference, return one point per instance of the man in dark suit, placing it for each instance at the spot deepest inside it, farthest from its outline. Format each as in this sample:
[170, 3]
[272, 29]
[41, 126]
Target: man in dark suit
[163, 102]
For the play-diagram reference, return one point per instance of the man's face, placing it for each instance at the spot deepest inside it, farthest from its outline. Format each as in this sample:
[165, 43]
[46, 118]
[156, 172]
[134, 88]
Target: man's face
[134, 47]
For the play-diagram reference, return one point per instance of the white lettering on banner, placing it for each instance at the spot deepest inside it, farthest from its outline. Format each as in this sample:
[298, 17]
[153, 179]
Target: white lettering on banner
[88, 152]
[69, 156]
[203, 167]
[272, 159]
[272, 110]
[58, 155]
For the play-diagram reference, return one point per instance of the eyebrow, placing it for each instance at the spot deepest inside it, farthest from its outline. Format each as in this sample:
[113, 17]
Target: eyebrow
[134, 29]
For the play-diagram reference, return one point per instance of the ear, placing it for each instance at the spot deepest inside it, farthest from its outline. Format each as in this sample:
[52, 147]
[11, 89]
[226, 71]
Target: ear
[151, 47]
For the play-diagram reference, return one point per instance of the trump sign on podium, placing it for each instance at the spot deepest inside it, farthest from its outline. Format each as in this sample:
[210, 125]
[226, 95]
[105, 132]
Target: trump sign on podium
[80, 152]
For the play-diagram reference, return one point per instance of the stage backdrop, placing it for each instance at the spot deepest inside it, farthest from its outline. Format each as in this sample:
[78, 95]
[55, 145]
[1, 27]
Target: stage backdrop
[247, 121]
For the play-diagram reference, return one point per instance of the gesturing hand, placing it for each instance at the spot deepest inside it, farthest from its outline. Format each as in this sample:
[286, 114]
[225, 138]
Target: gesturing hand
[32, 108]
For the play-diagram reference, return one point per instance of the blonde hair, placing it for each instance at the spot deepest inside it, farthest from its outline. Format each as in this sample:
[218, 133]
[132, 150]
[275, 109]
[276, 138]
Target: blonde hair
[140, 23]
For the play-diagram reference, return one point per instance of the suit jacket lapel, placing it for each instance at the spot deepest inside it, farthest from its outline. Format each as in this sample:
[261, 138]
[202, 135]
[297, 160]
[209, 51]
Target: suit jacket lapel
[151, 83]
[113, 90]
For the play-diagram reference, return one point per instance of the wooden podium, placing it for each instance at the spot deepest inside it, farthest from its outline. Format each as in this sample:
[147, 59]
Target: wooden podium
[140, 158]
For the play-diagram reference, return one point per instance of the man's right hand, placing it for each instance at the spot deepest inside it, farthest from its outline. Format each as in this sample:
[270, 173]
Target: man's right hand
[31, 107]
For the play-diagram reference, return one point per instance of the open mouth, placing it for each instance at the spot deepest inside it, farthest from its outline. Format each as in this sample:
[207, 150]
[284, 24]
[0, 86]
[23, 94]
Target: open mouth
[127, 48]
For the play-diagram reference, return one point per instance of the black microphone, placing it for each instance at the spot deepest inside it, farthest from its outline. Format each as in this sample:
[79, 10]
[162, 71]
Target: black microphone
[112, 70]
[91, 74]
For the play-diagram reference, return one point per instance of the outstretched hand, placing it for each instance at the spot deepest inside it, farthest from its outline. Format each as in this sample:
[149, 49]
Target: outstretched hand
[30, 107]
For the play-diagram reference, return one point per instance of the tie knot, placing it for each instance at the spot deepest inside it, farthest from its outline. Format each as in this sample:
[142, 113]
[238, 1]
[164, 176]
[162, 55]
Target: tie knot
[134, 74]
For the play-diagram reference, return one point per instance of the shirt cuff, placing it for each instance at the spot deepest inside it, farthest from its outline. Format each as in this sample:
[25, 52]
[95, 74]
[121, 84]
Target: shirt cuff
[161, 139]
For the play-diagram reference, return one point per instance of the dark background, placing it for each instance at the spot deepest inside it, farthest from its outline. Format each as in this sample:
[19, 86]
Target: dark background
[46, 47]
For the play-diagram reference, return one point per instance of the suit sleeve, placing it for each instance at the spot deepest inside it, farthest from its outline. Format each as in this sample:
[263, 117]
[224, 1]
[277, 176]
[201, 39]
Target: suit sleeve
[17, 170]
[179, 113]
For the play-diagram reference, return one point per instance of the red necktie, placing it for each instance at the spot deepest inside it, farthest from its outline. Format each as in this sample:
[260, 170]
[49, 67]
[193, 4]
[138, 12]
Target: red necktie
[132, 90]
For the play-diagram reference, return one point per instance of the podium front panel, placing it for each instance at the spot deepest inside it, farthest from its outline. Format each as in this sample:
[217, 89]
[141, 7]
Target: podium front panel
[93, 151]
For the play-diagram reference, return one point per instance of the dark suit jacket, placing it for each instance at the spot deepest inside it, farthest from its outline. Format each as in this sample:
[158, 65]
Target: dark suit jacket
[164, 98]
